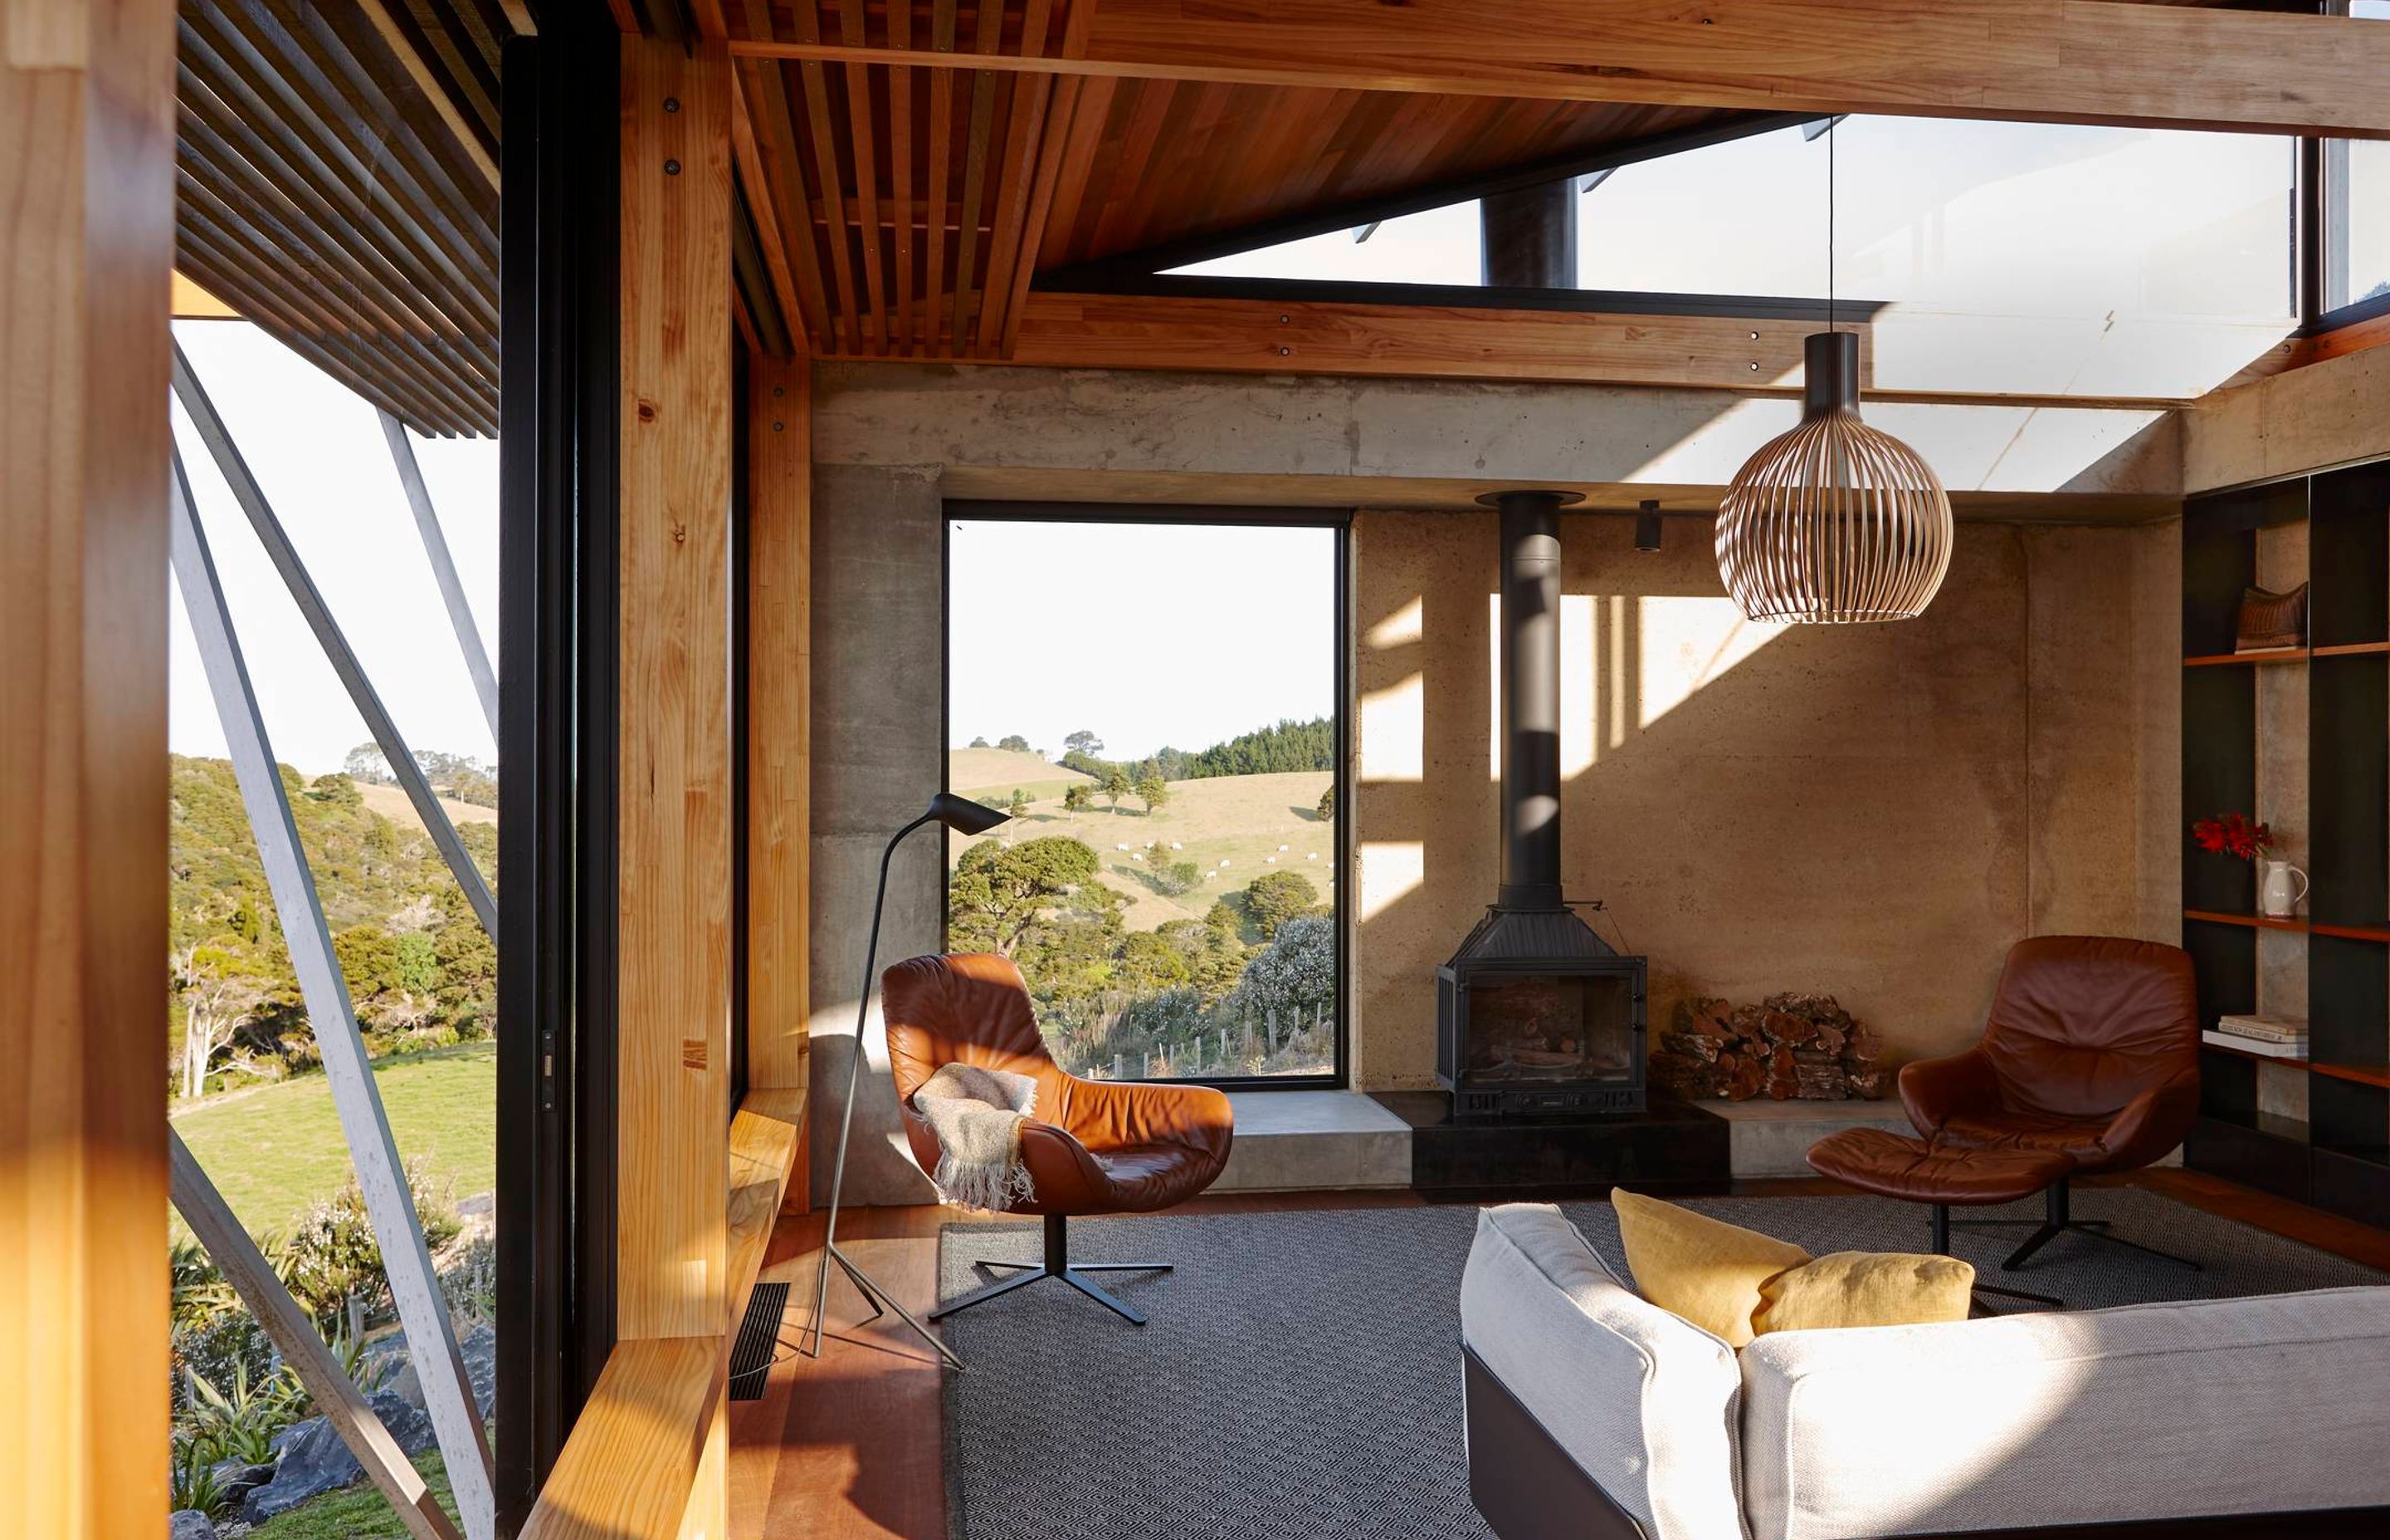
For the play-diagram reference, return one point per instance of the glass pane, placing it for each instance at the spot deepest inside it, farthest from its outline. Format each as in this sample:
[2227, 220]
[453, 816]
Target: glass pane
[1155, 705]
[2357, 208]
[1991, 256]
[1559, 1029]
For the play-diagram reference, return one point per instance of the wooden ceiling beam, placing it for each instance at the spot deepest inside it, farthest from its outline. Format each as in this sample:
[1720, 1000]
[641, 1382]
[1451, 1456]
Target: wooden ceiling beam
[1122, 332]
[2094, 61]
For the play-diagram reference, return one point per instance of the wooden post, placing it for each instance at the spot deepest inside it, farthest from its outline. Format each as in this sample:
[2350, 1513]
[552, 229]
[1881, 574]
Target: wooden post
[86, 178]
[779, 698]
[673, 844]
[253, 1278]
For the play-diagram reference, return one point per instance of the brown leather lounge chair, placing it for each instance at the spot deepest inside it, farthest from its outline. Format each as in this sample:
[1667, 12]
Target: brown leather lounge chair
[1093, 1146]
[2091, 1052]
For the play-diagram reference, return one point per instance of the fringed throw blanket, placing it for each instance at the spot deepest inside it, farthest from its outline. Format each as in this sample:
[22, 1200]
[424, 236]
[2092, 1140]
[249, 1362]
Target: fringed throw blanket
[977, 1116]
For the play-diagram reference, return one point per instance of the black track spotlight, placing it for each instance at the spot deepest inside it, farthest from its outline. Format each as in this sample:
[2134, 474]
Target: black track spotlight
[1647, 526]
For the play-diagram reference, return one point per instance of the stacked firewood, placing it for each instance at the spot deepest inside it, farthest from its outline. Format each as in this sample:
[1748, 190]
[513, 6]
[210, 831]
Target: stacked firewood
[1787, 1047]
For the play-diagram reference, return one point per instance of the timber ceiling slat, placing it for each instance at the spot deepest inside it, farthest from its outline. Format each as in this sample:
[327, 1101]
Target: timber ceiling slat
[942, 85]
[860, 128]
[245, 82]
[813, 79]
[979, 127]
[1026, 99]
[336, 172]
[900, 174]
[762, 192]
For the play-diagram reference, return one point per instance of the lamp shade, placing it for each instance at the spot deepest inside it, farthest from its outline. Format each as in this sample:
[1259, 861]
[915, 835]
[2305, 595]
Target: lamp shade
[1834, 522]
[964, 815]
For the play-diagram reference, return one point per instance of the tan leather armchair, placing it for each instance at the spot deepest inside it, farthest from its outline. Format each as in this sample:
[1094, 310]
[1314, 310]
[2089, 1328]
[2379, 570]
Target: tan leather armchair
[2091, 1052]
[1092, 1147]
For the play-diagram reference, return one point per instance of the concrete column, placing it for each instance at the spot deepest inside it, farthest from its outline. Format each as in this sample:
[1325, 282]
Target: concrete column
[878, 757]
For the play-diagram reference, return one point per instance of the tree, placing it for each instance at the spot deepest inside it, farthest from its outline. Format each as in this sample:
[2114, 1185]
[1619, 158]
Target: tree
[220, 993]
[1148, 964]
[1174, 878]
[1115, 786]
[338, 788]
[1327, 810]
[1295, 974]
[1274, 898]
[1083, 742]
[1013, 741]
[365, 764]
[1152, 791]
[476, 787]
[1076, 796]
[1000, 892]
[977, 743]
[1019, 802]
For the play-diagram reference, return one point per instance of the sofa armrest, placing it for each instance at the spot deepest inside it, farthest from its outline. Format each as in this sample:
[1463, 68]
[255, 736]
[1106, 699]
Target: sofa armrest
[1642, 1402]
[2148, 1412]
[2152, 1123]
[1934, 1090]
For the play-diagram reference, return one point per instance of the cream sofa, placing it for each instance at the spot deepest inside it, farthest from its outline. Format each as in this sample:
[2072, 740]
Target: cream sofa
[1594, 1414]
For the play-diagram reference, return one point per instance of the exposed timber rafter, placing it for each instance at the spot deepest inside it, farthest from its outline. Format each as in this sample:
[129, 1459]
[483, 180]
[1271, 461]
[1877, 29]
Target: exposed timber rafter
[2093, 61]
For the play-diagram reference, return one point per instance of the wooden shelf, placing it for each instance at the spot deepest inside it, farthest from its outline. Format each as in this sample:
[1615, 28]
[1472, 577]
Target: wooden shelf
[2245, 660]
[2255, 922]
[2360, 1073]
[2350, 933]
[2254, 1057]
[2284, 655]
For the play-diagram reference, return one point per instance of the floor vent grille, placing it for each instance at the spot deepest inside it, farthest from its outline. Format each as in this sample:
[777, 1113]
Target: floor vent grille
[750, 1356]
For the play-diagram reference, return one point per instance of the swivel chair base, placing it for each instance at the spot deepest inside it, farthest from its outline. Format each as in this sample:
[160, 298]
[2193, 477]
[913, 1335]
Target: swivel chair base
[1056, 1265]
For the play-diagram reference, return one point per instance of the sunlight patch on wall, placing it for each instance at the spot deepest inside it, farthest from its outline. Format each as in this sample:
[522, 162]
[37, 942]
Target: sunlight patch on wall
[1577, 750]
[1394, 731]
[1685, 642]
[1391, 869]
[1405, 627]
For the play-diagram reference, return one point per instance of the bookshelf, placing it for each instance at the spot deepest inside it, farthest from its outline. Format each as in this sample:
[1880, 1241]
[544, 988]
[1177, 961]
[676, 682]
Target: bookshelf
[2300, 737]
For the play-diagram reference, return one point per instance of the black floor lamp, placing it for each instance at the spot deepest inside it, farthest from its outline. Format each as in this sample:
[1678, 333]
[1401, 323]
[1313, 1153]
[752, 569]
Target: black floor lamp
[964, 816]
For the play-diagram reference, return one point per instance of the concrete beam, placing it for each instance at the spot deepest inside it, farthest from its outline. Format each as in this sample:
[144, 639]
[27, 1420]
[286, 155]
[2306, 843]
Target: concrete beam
[2329, 414]
[1079, 434]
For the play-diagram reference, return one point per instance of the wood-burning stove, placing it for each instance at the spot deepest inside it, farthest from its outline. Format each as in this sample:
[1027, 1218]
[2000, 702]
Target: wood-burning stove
[1536, 1015]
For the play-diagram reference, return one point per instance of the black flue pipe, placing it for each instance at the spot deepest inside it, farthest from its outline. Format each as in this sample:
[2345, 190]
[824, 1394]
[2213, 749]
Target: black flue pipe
[1531, 697]
[1528, 236]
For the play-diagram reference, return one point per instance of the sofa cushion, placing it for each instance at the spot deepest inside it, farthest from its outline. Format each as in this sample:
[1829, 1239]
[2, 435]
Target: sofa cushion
[1855, 1288]
[1645, 1402]
[2150, 1411]
[1703, 1269]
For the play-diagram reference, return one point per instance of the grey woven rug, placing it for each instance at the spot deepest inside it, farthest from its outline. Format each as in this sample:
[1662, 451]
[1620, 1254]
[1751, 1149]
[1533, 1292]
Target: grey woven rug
[1299, 1379]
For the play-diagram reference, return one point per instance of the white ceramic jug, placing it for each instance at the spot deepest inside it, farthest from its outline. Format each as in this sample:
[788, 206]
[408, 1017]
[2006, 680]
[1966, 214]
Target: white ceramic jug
[2275, 893]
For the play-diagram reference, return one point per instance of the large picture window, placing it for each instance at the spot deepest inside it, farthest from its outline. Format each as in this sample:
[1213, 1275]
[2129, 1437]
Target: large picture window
[1157, 703]
[2355, 236]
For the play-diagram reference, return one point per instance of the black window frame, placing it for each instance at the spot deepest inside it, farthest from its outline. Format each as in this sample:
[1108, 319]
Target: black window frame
[2312, 240]
[1339, 521]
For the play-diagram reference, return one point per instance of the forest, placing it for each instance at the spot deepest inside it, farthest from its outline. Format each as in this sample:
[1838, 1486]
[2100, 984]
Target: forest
[421, 970]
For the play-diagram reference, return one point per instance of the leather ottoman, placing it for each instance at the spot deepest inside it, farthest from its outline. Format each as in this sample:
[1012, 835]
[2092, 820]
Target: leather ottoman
[1895, 1165]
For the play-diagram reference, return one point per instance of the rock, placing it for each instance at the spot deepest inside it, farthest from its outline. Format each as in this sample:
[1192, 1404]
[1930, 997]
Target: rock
[407, 1424]
[479, 1350]
[189, 1524]
[314, 1462]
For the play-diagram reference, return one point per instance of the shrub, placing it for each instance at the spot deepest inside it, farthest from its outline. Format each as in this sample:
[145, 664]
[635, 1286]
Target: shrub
[1274, 898]
[191, 1481]
[239, 1423]
[331, 1255]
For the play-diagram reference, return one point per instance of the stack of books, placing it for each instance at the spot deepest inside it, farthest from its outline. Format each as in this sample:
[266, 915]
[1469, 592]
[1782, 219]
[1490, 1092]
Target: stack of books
[2274, 1036]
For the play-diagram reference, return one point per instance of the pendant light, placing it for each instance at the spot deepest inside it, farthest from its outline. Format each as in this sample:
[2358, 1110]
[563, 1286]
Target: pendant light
[1834, 522]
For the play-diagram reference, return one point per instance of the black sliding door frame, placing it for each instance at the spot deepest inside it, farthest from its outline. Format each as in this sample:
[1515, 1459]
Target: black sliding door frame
[557, 600]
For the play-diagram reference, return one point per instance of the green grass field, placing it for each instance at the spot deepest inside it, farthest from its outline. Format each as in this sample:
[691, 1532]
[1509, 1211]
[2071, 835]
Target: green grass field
[274, 1149]
[1240, 819]
[355, 1513]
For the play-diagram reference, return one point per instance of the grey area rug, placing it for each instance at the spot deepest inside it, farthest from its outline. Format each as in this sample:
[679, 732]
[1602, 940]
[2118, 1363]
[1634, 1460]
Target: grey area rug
[1299, 1379]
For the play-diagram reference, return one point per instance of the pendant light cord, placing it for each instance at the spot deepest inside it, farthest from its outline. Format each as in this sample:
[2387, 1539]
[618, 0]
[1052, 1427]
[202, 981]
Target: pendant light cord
[1832, 124]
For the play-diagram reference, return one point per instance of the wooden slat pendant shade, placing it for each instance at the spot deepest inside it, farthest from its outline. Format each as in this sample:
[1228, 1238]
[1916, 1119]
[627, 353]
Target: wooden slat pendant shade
[1835, 522]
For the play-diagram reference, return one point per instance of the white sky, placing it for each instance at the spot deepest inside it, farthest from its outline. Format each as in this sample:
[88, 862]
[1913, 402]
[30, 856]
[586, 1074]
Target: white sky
[1146, 635]
[318, 452]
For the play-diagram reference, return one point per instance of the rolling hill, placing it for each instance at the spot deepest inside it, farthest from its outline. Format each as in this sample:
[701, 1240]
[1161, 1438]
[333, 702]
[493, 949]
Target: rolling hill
[992, 775]
[1240, 820]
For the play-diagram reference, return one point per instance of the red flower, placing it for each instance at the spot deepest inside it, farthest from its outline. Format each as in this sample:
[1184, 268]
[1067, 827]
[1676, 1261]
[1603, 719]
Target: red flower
[2233, 835]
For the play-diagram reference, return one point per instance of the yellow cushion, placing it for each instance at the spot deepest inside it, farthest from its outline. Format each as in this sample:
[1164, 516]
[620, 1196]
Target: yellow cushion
[1703, 1269]
[1864, 1289]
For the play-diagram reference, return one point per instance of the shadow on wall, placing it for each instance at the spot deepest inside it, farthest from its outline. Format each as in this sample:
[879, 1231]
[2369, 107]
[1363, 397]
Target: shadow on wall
[1862, 811]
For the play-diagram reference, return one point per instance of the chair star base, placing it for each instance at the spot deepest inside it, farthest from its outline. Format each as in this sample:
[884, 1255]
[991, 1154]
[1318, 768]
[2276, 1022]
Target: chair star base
[1056, 1263]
